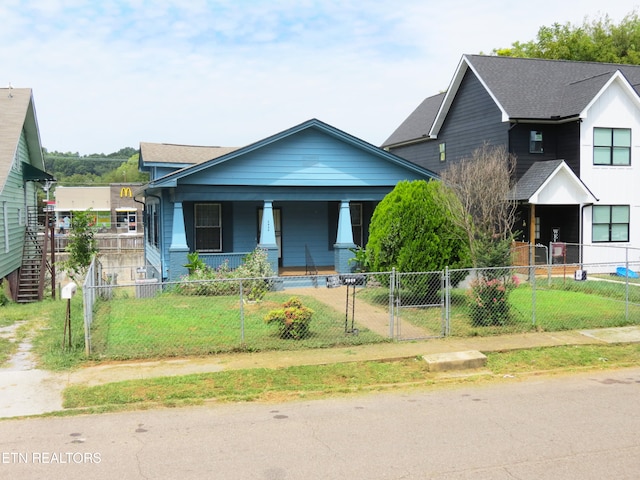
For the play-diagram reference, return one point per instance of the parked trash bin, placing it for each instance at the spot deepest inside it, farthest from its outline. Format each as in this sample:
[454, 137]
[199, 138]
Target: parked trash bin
[580, 275]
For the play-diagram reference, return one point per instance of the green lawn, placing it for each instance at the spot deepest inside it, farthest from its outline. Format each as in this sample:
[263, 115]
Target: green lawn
[126, 327]
[176, 325]
[319, 381]
[561, 305]
[6, 350]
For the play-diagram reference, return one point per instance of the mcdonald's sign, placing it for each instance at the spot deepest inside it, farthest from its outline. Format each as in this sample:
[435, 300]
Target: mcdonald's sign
[125, 192]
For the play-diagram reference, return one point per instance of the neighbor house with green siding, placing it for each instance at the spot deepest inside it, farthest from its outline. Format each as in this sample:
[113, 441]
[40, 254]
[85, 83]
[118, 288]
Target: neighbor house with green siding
[21, 168]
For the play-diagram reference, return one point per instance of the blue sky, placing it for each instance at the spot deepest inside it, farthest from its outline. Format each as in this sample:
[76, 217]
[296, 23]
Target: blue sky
[108, 74]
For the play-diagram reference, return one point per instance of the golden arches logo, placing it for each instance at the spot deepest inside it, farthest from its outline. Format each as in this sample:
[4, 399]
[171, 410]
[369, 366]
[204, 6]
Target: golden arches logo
[125, 192]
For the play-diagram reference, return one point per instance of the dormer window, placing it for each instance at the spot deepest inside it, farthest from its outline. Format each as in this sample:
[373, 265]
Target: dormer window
[535, 141]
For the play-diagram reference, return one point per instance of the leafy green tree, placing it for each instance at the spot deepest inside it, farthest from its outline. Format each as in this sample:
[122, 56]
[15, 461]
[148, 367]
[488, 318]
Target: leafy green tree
[82, 246]
[127, 172]
[598, 40]
[411, 230]
[70, 169]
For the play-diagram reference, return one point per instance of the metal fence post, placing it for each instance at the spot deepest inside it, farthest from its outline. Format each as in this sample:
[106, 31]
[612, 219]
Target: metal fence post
[447, 303]
[241, 314]
[392, 283]
[533, 294]
[626, 293]
[88, 312]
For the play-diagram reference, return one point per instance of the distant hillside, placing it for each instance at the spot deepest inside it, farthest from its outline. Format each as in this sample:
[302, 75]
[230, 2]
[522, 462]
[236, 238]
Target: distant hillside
[71, 169]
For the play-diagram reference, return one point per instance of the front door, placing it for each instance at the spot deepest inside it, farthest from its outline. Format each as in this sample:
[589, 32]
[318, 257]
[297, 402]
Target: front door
[132, 222]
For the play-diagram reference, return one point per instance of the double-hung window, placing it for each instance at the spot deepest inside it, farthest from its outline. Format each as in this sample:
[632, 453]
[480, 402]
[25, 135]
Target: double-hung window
[208, 225]
[357, 223]
[612, 146]
[611, 223]
[152, 228]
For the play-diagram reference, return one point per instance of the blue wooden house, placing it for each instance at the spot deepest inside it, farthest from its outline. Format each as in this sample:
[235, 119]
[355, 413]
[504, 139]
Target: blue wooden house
[306, 195]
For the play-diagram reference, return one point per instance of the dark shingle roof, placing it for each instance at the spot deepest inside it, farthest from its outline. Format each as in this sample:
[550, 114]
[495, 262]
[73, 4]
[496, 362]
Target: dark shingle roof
[418, 124]
[525, 88]
[534, 178]
[543, 89]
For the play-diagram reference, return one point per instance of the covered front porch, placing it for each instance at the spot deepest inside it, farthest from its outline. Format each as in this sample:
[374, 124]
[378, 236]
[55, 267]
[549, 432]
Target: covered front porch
[550, 200]
[300, 238]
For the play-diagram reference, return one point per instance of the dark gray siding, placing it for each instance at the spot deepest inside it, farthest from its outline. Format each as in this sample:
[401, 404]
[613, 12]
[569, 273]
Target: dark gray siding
[473, 119]
[559, 142]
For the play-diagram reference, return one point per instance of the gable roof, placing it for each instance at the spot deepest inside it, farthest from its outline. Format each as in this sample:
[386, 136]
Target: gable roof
[527, 89]
[171, 179]
[551, 175]
[17, 113]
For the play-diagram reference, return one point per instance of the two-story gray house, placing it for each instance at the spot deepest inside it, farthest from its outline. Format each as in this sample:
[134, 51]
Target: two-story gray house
[574, 128]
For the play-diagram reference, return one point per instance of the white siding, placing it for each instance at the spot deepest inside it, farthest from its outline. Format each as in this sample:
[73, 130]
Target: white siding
[612, 185]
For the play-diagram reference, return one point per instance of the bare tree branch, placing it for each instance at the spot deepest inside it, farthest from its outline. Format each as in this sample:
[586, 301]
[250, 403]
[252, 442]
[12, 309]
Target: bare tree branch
[482, 183]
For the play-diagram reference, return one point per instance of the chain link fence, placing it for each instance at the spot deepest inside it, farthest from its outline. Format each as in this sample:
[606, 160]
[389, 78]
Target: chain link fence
[148, 318]
[145, 318]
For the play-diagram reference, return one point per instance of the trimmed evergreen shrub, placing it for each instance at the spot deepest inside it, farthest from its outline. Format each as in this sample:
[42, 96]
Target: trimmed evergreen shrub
[412, 231]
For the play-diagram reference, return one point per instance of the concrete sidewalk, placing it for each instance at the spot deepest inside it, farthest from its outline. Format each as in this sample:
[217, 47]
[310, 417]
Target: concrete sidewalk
[113, 372]
[25, 390]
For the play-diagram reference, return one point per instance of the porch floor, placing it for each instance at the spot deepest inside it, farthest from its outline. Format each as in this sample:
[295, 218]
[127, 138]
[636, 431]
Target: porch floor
[300, 271]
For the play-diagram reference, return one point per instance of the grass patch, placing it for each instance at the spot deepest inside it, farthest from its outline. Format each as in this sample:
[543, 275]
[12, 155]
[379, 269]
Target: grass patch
[16, 312]
[563, 358]
[250, 385]
[44, 322]
[175, 325]
[559, 305]
[49, 329]
[7, 348]
[337, 379]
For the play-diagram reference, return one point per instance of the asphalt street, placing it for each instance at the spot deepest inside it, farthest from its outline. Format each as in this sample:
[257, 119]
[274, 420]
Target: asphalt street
[582, 426]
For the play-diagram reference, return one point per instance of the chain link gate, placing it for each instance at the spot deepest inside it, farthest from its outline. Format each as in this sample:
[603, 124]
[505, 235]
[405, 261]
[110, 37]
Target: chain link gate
[418, 305]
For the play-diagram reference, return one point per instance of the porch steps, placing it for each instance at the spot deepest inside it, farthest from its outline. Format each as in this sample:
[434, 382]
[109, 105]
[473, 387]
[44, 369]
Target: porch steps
[316, 281]
[301, 271]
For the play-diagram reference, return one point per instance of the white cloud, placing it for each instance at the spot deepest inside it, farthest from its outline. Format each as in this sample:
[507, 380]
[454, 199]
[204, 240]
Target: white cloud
[111, 74]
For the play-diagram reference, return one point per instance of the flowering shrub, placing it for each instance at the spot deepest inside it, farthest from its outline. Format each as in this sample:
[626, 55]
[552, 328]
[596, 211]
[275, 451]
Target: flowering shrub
[293, 319]
[207, 281]
[204, 280]
[255, 268]
[489, 301]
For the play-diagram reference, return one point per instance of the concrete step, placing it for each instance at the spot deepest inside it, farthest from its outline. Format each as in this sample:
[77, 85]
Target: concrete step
[440, 362]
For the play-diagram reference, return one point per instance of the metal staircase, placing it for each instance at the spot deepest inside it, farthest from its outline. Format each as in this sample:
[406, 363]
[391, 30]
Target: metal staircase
[35, 264]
